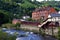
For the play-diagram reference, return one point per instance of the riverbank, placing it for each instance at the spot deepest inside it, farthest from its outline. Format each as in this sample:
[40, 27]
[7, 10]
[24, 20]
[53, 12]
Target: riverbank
[21, 34]
[34, 29]
[49, 38]
[45, 37]
[29, 28]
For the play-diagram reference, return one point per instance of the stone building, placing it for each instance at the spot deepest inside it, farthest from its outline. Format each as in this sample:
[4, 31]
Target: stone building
[42, 13]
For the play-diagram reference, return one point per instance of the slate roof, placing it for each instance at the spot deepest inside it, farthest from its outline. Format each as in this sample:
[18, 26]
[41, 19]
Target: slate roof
[55, 15]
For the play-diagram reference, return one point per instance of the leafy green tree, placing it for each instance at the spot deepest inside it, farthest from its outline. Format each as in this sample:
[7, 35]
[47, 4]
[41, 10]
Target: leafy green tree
[17, 25]
[3, 18]
[29, 19]
[24, 7]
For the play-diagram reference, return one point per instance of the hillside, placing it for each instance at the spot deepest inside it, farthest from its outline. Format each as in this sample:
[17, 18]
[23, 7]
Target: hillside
[19, 8]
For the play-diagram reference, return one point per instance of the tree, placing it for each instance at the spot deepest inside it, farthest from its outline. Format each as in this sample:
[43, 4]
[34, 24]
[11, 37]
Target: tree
[24, 7]
[3, 18]
[17, 25]
[6, 36]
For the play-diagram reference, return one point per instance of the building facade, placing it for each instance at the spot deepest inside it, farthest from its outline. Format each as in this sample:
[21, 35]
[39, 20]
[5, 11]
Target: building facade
[55, 18]
[42, 13]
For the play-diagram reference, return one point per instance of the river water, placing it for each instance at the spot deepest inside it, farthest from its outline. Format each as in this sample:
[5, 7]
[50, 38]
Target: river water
[29, 35]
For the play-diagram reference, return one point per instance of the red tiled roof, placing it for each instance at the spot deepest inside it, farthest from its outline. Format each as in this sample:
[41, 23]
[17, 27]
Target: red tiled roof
[43, 9]
[26, 22]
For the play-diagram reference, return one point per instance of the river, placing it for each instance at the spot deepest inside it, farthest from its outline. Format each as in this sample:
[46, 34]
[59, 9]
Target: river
[20, 34]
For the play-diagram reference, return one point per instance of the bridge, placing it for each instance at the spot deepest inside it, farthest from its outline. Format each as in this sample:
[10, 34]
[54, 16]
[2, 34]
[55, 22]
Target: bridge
[50, 20]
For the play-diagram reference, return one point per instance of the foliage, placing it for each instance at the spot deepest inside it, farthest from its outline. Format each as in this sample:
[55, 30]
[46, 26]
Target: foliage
[55, 4]
[42, 32]
[4, 36]
[29, 19]
[11, 9]
[41, 20]
[17, 26]
[3, 18]
[59, 33]
[13, 26]
[8, 25]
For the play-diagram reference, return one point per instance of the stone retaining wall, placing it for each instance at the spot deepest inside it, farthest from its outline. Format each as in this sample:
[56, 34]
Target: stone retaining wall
[29, 27]
[49, 31]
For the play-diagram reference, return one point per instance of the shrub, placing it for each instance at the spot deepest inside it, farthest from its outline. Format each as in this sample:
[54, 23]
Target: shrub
[17, 26]
[7, 25]
[4, 36]
[59, 33]
[41, 32]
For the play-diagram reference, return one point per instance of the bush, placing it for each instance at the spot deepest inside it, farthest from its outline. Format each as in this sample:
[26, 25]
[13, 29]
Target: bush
[41, 32]
[17, 26]
[12, 26]
[8, 25]
[59, 33]
[30, 19]
[4, 36]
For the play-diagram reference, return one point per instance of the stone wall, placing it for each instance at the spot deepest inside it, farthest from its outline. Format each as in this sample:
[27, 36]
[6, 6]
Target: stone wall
[29, 27]
[49, 31]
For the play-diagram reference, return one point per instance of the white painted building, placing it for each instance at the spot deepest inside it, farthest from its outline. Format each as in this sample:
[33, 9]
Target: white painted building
[59, 12]
[54, 17]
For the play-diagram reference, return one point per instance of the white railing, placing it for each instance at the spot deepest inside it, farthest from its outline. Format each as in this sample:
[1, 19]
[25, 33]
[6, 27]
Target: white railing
[49, 20]
[43, 23]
